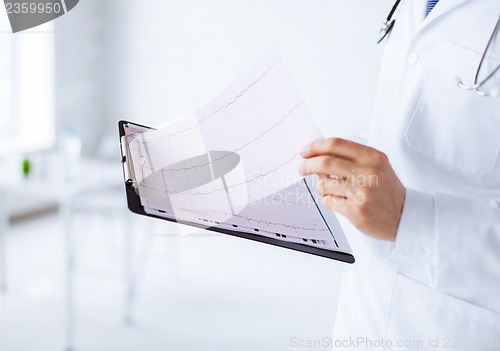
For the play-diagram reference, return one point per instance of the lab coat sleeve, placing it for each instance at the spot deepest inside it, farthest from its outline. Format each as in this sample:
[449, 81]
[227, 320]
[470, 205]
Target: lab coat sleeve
[457, 238]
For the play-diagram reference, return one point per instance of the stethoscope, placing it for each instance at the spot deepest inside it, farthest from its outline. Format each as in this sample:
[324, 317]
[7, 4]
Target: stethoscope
[389, 24]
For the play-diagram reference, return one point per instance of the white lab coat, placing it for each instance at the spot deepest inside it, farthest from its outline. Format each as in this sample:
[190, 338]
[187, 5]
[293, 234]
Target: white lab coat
[441, 278]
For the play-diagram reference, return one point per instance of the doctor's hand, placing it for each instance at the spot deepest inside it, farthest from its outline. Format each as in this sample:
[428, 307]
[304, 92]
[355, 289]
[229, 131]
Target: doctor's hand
[358, 182]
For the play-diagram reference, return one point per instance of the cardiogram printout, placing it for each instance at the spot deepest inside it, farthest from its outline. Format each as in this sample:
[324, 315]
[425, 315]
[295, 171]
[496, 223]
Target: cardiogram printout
[234, 162]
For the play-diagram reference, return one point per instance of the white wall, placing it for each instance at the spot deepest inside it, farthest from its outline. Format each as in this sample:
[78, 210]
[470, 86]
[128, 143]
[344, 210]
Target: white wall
[149, 61]
[182, 53]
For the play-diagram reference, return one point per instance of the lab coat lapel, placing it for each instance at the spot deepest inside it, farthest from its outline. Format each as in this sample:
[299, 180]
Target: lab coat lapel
[440, 11]
[419, 10]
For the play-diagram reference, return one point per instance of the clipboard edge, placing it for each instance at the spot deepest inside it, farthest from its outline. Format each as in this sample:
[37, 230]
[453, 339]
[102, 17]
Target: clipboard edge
[135, 206]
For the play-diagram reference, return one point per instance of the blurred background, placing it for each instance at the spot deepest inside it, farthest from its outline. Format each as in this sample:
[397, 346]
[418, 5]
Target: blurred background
[77, 270]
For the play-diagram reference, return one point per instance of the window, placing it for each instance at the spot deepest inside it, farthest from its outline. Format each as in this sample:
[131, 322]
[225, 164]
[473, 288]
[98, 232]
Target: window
[26, 88]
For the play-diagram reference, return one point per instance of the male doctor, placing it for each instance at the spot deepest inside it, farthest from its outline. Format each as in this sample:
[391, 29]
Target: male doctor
[428, 247]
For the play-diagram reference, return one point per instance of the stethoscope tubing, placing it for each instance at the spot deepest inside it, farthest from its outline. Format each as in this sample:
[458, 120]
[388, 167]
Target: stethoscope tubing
[388, 25]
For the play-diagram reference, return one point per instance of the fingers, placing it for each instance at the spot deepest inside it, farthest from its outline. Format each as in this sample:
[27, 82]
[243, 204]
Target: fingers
[335, 147]
[335, 203]
[327, 165]
[334, 186]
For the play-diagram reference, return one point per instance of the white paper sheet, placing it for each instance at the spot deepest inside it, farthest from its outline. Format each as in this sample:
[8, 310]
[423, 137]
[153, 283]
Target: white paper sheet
[235, 161]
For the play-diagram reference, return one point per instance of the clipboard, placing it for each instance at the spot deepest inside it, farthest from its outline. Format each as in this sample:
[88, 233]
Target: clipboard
[134, 204]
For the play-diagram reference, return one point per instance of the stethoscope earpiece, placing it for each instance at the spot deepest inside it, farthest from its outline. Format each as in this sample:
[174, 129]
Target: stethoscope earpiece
[493, 93]
[459, 82]
[477, 85]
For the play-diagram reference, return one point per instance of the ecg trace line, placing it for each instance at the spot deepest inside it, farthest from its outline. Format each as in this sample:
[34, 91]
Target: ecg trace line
[222, 188]
[266, 222]
[220, 158]
[183, 169]
[222, 107]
